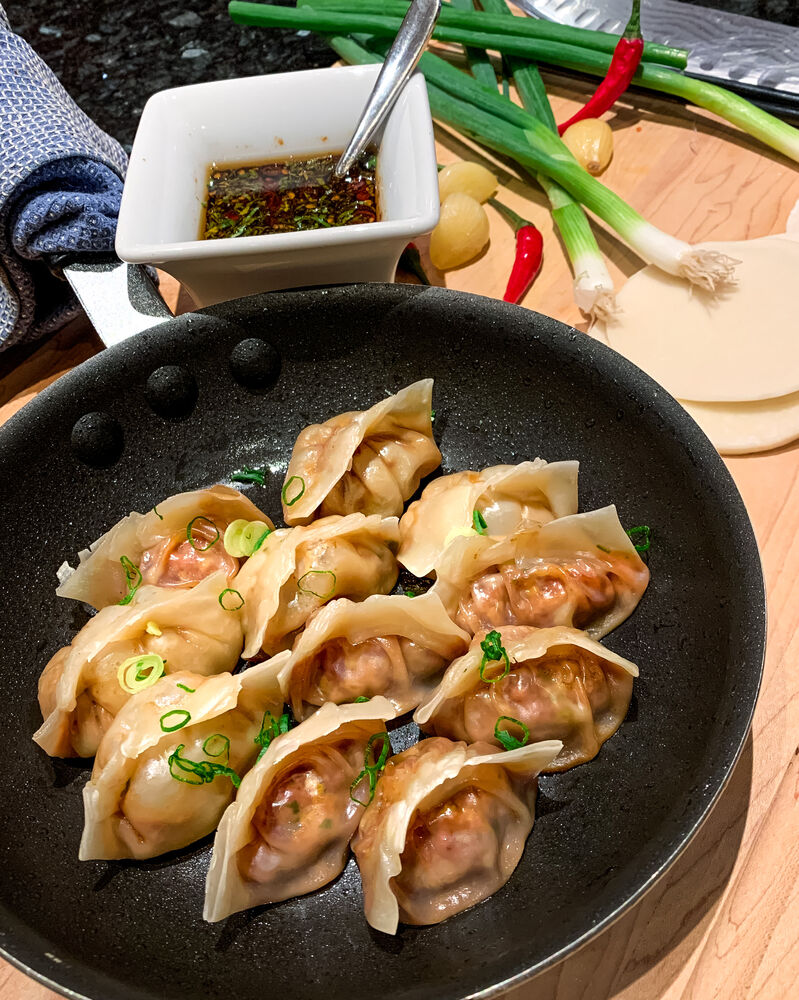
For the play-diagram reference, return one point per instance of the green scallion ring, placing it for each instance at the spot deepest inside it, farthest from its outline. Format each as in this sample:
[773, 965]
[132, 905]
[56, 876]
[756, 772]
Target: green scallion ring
[216, 745]
[139, 672]
[228, 606]
[184, 688]
[242, 537]
[318, 572]
[188, 767]
[380, 763]
[372, 776]
[493, 652]
[645, 532]
[284, 493]
[508, 740]
[479, 522]
[133, 578]
[190, 535]
[182, 716]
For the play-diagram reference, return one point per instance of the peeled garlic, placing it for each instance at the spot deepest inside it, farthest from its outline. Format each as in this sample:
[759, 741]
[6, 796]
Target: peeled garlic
[591, 143]
[467, 178]
[461, 233]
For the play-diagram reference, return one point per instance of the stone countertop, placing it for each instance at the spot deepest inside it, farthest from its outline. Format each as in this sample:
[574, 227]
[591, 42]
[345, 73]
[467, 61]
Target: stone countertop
[112, 57]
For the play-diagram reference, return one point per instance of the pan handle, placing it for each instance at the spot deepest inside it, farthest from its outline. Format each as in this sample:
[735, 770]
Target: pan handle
[119, 299]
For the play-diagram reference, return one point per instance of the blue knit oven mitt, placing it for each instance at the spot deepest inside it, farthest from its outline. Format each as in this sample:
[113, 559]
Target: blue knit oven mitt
[60, 187]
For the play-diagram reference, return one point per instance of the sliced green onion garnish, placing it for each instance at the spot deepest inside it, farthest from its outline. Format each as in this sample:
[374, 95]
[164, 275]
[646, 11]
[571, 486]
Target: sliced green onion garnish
[310, 577]
[231, 603]
[603, 548]
[299, 490]
[380, 762]
[243, 537]
[159, 516]
[193, 540]
[509, 741]
[371, 767]
[410, 593]
[432, 414]
[270, 729]
[479, 522]
[133, 578]
[139, 672]
[194, 772]
[493, 652]
[360, 699]
[247, 475]
[183, 686]
[641, 537]
[180, 718]
[217, 745]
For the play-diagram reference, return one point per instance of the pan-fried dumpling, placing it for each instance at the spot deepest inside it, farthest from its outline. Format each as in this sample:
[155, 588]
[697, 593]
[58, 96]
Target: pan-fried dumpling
[581, 570]
[167, 767]
[509, 498]
[297, 570]
[393, 646]
[446, 828]
[559, 685]
[176, 544]
[368, 462]
[80, 690]
[288, 830]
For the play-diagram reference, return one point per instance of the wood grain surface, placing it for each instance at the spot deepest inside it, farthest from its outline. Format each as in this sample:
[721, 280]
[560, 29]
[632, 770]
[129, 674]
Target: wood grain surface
[723, 923]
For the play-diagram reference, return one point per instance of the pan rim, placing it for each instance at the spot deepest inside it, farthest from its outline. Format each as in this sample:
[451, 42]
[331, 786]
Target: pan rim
[627, 374]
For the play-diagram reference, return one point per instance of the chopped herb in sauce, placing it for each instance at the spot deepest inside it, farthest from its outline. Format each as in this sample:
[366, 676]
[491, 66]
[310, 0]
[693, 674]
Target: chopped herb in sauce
[288, 196]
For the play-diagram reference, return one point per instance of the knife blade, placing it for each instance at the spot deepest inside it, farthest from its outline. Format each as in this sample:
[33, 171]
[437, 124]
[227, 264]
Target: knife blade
[757, 58]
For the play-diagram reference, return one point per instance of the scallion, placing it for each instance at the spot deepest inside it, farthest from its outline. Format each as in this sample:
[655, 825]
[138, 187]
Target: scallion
[247, 475]
[300, 489]
[216, 745]
[314, 578]
[641, 537]
[493, 652]
[180, 718]
[479, 522]
[198, 772]
[271, 728]
[133, 578]
[508, 740]
[139, 672]
[194, 539]
[233, 603]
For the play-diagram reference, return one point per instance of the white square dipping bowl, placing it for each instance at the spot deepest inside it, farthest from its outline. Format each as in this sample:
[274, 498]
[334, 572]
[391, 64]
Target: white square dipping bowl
[254, 120]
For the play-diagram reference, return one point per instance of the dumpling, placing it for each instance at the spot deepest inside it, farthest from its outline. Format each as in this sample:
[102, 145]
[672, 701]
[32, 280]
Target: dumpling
[288, 831]
[297, 570]
[368, 462]
[557, 683]
[509, 498]
[446, 828]
[176, 544]
[81, 690]
[581, 570]
[394, 646]
[168, 766]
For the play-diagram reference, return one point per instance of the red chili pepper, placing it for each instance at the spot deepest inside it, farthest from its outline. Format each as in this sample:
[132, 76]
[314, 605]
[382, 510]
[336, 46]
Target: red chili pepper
[529, 253]
[625, 61]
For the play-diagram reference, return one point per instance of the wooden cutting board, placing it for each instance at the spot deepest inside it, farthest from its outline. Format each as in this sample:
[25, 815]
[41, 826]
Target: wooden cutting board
[724, 922]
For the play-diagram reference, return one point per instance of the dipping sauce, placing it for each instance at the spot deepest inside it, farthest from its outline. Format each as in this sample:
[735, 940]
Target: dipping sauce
[288, 196]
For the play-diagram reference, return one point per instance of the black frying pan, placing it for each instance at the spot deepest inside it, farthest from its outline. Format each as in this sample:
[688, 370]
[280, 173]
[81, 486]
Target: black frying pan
[510, 385]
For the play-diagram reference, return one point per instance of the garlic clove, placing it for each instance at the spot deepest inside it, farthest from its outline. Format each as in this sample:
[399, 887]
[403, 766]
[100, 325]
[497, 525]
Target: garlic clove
[461, 233]
[591, 143]
[467, 178]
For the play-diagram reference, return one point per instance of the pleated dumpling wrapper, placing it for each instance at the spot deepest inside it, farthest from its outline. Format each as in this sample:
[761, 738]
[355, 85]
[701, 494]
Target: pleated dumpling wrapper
[507, 497]
[288, 831]
[581, 570]
[297, 570]
[368, 462]
[394, 646]
[168, 766]
[85, 684]
[176, 544]
[533, 684]
[446, 828]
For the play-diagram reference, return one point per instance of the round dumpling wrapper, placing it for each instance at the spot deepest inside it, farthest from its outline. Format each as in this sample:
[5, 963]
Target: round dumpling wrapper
[735, 345]
[742, 428]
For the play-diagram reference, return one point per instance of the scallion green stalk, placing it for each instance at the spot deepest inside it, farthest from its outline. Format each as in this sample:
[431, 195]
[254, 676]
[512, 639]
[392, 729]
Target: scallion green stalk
[537, 150]
[593, 286]
[478, 59]
[736, 110]
[457, 15]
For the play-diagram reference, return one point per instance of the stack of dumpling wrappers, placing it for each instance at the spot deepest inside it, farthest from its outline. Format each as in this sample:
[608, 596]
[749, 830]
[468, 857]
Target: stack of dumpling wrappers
[288, 756]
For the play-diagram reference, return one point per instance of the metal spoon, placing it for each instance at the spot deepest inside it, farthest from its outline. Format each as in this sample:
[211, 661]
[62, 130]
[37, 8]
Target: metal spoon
[412, 37]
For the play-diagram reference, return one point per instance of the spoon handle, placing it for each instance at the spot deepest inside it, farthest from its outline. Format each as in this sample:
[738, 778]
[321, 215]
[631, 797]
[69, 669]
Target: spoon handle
[404, 54]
